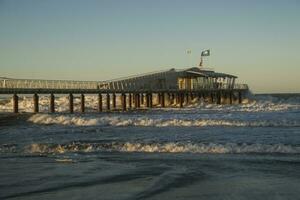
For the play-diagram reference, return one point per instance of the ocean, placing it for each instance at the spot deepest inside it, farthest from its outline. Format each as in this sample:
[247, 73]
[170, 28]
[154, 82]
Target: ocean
[212, 152]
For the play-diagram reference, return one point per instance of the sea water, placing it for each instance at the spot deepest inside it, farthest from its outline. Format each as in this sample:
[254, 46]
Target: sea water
[247, 151]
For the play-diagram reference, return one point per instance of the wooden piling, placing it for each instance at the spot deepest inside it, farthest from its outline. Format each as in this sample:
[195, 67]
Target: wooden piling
[240, 97]
[230, 98]
[107, 102]
[130, 100]
[147, 100]
[82, 102]
[162, 100]
[35, 103]
[142, 99]
[181, 99]
[123, 101]
[192, 96]
[172, 99]
[159, 98]
[135, 102]
[114, 101]
[211, 99]
[168, 99]
[71, 103]
[187, 98]
[150, 100]
[100, 106]
[138, 100]
[52, 103]
[177, 98]
[15, 103]
[219, 98]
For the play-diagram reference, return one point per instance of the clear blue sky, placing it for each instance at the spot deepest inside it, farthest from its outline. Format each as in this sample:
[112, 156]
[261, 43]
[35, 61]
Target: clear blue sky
[257, 40]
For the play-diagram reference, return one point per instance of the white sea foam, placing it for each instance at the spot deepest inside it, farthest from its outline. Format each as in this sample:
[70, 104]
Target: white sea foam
[154, 121]
[162, 148]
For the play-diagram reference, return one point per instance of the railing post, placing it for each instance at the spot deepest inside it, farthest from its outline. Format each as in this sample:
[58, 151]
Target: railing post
[52, 103]
[35, 103]
[15, 103]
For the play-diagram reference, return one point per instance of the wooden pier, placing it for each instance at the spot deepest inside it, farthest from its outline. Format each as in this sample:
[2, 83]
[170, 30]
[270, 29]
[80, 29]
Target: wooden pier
[159, 89]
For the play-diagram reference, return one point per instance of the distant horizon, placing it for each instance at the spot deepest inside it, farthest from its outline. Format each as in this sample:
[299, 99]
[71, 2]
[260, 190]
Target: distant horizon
[258, 41]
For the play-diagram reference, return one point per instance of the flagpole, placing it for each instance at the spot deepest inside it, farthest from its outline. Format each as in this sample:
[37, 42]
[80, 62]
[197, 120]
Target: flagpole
[189, 52]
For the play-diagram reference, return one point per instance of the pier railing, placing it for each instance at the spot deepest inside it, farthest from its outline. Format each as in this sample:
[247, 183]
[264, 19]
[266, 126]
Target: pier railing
[95, 85]
[47, 84]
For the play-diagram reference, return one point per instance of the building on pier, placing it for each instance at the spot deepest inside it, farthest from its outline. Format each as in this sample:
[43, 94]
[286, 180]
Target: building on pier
[183, 79]
[174, 79]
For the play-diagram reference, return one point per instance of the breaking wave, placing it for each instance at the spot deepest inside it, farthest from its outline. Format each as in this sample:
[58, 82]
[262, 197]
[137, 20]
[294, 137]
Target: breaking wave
[173, 147]
[127, 120]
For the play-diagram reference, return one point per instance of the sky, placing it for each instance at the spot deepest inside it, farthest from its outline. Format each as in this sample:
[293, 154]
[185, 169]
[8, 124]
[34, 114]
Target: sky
[257, 40]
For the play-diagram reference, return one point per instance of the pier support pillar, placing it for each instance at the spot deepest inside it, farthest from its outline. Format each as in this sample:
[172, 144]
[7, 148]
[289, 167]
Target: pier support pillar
[150, 100]
[15, 103]
[114, 101]
[187, 98]
[192, 96]
[181, 99]
[138, 99]
[162, 100]
[130, 100]
[142, 99]
[219, 98]
[135, 97]
[82, 107]
[71, 103]
[177, 98]
[107, 102]
[211, 99]
[168, 99]
[240, 97]
[147, 100]
[52, 103]
[172, 101]
[123, 101]
[35, 103]
[230, 97]
[100, 106]
[158, 98]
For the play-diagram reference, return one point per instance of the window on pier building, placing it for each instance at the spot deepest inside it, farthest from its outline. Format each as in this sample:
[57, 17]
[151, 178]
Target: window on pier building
[184, 83]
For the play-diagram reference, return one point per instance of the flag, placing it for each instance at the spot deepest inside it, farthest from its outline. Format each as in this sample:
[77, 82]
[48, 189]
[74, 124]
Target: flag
[205, 53]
